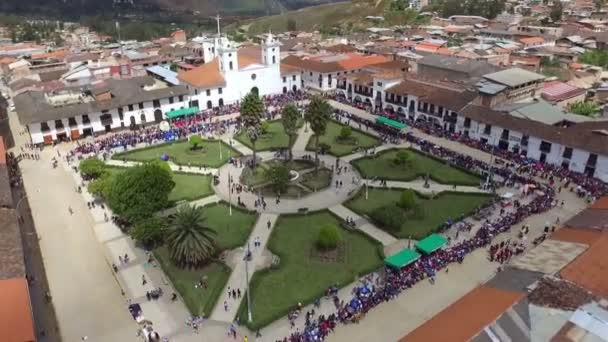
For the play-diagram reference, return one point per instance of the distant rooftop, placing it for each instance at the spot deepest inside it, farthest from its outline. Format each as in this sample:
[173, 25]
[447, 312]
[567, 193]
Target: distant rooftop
[514, 77]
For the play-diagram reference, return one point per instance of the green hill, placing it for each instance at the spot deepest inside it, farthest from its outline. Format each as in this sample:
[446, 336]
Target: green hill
[349, 16]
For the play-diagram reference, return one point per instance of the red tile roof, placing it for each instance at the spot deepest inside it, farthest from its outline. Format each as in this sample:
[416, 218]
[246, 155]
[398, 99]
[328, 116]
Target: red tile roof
[205, 76]
[590, 269]
[326, 64]
[584, 236]
[16, 323]
[559, 91]
[480, 307]
[601, 203]
[532, 40]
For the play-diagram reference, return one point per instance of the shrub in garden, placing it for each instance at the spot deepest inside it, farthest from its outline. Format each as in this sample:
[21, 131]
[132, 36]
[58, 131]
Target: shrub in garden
[328, 238]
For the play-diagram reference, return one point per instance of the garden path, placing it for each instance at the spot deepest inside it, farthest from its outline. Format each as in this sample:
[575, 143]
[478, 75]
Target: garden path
[304, 135]
[434, 187]
[364, 225]
[227, 307]
[173, 166]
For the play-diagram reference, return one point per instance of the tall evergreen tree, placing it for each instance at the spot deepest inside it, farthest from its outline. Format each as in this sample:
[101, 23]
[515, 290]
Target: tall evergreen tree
[289, 119]
[252, 111]
[317, 115]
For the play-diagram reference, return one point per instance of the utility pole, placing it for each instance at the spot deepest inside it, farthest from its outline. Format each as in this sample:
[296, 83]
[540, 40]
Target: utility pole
[229, 194]
[247, 254]
[122, 52]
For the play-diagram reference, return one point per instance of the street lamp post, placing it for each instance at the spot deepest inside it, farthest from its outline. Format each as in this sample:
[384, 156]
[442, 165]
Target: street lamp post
[247, 254]
[229, 194]
[219, 141]
[366, 188]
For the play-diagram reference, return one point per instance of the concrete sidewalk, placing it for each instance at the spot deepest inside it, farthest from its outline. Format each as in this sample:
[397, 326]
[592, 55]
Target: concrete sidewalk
[237, 145]
[227, 307]
[418, 186]
[201, 170]
[304, 136]
[363, 225]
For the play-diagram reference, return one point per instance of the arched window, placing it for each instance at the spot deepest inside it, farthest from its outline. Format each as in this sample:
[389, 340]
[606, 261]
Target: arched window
[209, 105]
[274, 59]
[221, 103]
[230, 65]
[143, 118]
[284, 90]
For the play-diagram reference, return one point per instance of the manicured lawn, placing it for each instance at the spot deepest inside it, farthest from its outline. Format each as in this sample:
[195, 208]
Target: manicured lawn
[199, 301]
[381, 165]
[301, 276]
[360, 140]
[255, 177]
[232, 231]
[447, 205]
[179, 152]
[274, 139]
[320, 180]
[188, 186]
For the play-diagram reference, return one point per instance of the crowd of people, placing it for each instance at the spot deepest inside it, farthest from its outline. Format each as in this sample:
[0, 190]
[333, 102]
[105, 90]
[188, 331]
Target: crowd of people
[208, 122]
[518, 171]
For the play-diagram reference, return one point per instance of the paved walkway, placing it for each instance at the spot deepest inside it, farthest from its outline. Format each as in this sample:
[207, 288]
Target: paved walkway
[377, 149]
[363, 225]
[237, 145]
[168, 317]
[201, 170]
[434, 187]
[227, 307]
[85, 293]
[315, 201]
[199, 202]
[304, 135]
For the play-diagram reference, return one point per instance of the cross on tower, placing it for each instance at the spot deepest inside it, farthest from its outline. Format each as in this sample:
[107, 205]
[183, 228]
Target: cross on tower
[217, 20]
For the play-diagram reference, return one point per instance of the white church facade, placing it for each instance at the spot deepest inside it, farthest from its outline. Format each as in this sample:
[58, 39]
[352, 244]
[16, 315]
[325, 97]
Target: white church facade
[230, 72]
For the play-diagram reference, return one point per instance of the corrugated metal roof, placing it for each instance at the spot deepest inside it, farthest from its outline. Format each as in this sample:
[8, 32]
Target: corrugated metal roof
[168, 75]
[514, 77]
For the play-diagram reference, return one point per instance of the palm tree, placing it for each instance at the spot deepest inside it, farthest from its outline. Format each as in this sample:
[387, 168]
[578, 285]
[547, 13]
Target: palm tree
[317, 115]
[191, 243]
[252, 111]
[289, 119]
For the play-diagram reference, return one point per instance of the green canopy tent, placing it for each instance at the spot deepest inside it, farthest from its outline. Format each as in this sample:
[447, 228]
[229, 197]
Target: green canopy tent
[431, 243]
[390, 123]
[182, 112]
[402, 259]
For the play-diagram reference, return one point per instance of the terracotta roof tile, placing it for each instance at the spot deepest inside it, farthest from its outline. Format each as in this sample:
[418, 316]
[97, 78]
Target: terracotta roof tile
[288, 69]
[601, 203]
[482, 306]
[584, 236]
[16, 322]
[352, 61]
[590, 269]
[205, 76]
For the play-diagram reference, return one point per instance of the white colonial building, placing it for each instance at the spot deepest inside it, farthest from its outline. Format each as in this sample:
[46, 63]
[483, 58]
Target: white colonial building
[99, 108]
[230, 72]
[503, 111]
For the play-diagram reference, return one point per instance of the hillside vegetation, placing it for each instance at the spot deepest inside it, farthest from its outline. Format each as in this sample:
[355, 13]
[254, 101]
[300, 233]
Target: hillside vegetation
[340, 17]
[343, 15]
[75, 8]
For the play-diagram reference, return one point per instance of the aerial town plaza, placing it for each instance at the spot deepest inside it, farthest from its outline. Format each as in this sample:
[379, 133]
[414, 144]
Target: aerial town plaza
[303, 187]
